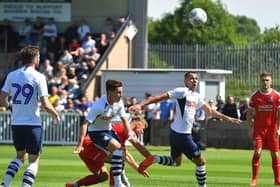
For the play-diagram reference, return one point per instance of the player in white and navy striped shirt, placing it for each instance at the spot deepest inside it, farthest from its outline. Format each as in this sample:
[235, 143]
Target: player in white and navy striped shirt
[27, 87]
[181, 141]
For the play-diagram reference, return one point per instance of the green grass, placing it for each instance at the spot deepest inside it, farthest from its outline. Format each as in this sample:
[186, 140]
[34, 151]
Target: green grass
[225, 168]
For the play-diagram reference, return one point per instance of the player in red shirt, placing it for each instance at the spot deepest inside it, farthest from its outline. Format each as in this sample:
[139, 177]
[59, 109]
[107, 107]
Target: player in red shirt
[94, 157]
[263, 117]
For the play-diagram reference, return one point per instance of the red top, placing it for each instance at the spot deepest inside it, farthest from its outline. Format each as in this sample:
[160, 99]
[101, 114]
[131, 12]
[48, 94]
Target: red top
[265, 105]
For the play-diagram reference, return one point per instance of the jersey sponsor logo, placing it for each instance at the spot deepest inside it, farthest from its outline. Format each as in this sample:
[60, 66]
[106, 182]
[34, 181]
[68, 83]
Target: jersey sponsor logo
[265, 107]
[192, 104]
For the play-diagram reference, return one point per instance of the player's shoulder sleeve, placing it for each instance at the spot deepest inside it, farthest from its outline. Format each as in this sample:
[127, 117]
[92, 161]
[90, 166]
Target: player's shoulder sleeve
[95, 109]
[178, 92]
[122, 109]
[277, 95]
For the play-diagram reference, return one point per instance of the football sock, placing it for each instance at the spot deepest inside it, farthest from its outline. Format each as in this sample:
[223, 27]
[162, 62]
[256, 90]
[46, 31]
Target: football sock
[30, 174]
[165, 160]
[255, 166]
[276, 168]
[201, 176]
[13, 168]
[89, 180]
[117, 163]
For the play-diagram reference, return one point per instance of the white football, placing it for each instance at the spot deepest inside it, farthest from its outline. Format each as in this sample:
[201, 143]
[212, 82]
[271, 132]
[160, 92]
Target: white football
[197, 17]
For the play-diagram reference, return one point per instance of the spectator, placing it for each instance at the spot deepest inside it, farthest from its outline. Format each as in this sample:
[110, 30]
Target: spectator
[219, 103]
[71, 31]
[66, 58]
[25, 28]
[74, 45]
[58, 106]
[71, 73]
[211, 105]
[166, 109]
[109, 26]
[88, 44]
[63, 95]
[102, 44]
[230, 108]
[53, 95]
[46, 68]
[52, 47]
[61, 45]
[37, 28]
[243, 108]
[70, 107]
[92, 58]
[83, 29]
[127, 103]
[26, 40]
[119, 23]
[64, 83]
[83, 108]
[44, 54]
[82, 69]
[73, 89]
[150, 111]
[50, 29]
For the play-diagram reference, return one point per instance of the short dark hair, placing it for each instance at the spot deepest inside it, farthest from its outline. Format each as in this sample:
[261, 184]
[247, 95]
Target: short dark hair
[28, 53]
[189, 72]
[266, 73]
[112, 85]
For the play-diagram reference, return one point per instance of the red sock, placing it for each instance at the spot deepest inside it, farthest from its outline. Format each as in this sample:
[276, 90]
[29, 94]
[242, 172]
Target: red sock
[112, 183]
[89, 180]
[276, 168]
[255, 166]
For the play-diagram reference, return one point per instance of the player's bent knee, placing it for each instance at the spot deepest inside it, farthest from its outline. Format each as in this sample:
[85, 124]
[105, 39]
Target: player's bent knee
[103, 176]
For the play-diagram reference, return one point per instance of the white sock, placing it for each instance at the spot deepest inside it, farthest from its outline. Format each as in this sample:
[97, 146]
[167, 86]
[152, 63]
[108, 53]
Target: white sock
[30, 174]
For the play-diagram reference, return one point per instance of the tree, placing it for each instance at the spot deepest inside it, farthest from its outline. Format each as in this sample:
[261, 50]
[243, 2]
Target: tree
[221, 27]
[271, 35]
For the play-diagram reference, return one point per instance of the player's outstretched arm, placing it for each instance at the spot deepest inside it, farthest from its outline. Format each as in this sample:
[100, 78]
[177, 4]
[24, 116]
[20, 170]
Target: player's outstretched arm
[219, 115]
[83, 132]
[154, 99]
[131, 161]
[49, 108]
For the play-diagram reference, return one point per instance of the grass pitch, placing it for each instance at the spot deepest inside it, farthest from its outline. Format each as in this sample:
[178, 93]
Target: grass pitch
[225, 168]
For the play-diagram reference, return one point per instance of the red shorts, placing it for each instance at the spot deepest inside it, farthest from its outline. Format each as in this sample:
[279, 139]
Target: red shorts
[92, 156]
[266, 137]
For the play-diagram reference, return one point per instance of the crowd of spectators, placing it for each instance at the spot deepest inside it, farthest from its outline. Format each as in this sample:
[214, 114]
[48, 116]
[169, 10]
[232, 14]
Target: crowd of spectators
[66, 57]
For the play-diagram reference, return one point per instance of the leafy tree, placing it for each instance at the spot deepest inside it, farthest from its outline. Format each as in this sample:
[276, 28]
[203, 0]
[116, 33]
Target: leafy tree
[247, 27]
[221, 27]
[271, 35]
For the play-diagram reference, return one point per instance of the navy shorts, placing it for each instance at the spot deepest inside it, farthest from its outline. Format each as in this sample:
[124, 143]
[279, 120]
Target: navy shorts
[102, 138]
[28, 138]
[183, 144]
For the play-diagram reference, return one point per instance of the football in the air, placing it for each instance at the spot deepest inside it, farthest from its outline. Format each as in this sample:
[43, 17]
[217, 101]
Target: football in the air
[197, 17]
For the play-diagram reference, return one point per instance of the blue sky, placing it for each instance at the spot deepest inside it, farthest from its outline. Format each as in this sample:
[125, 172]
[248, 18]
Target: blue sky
[265, 12]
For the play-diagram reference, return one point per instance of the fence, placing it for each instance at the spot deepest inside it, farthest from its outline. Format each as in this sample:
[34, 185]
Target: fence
[67, 133]
[245, 61]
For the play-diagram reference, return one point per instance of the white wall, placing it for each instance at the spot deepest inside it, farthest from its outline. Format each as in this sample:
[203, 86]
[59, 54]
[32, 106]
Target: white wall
[138, 81]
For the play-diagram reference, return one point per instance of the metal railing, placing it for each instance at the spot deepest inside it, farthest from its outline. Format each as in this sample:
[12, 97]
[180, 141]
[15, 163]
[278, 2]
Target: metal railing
[245, 61]
[67, 133]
